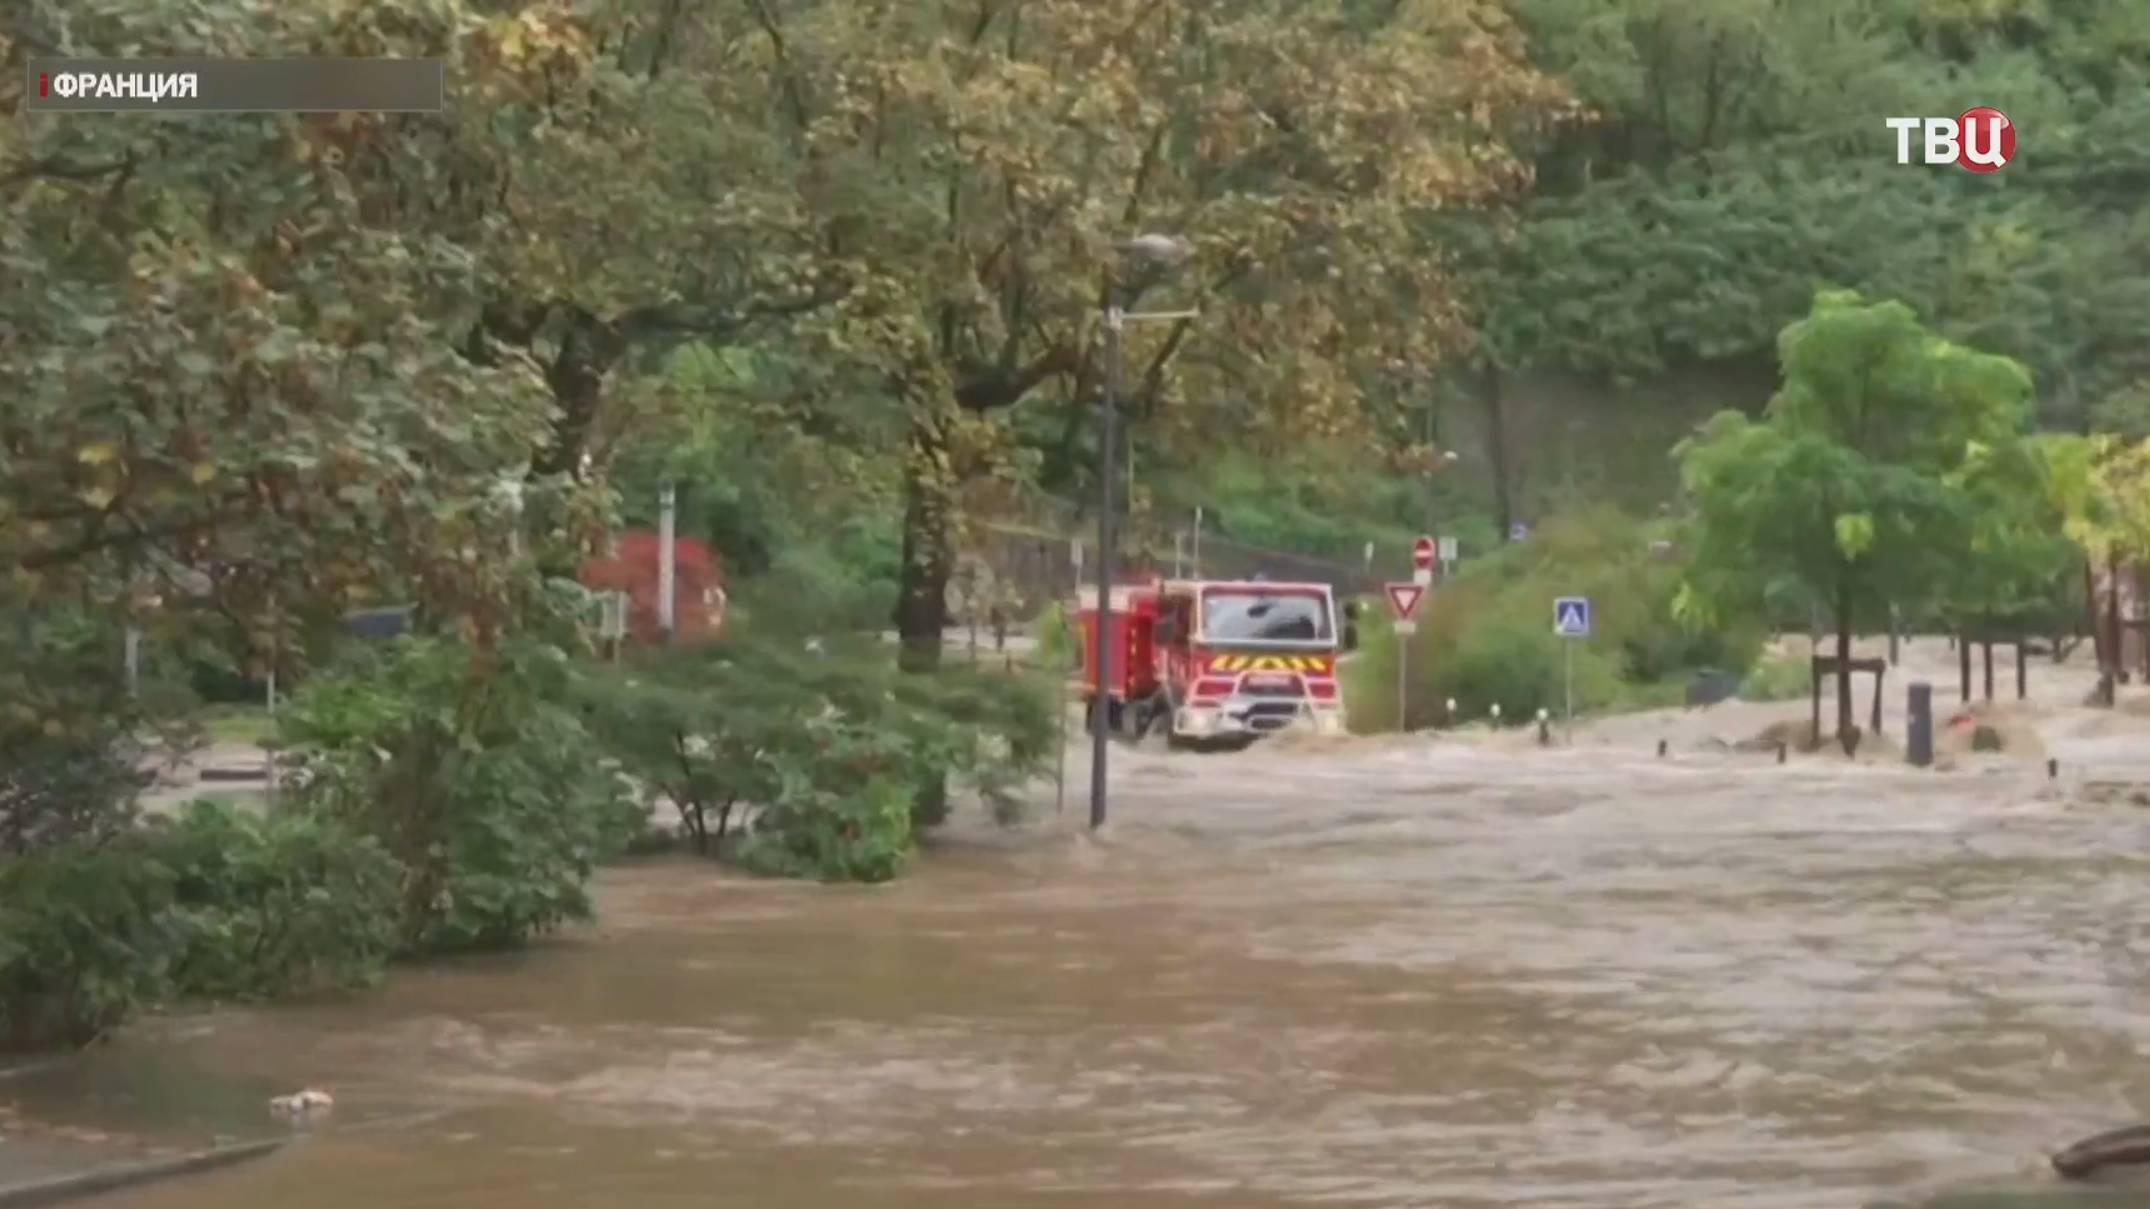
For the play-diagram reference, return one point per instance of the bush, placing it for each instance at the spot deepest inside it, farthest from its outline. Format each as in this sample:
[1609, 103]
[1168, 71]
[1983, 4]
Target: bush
[85, 938]
[1777, 678]
[476, 774]
[824, 749]
[810, 589]
[220, 903]
[858, 832]
[1520, 664]
[75, 747]
[1486, 637]
[264, 905]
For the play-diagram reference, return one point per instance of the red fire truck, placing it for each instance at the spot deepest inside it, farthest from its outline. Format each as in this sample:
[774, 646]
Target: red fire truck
[1218, 662]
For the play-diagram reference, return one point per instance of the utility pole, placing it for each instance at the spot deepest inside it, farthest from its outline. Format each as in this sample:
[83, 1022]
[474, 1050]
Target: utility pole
[1101, 711]
[1159, 250]
[1432, 471]
[1116, 321]
[667, 557]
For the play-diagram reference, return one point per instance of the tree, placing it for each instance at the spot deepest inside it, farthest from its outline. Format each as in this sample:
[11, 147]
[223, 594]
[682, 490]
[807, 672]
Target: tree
[230, 378]
[2100, 487]
[969, 169]
[1732, 157]
[1851, 489]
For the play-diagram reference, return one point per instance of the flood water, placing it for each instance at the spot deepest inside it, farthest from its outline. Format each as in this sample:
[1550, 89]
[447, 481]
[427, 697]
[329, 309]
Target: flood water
[1401, 976]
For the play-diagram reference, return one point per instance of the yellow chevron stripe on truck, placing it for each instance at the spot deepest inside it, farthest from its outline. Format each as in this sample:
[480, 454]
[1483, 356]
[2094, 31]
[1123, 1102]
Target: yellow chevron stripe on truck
[1269, 663]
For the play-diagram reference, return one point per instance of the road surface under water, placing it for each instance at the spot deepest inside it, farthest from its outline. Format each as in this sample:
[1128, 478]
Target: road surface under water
[1398, 975]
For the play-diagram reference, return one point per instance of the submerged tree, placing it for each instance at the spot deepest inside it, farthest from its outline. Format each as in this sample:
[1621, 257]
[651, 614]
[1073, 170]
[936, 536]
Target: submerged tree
[1853, 486]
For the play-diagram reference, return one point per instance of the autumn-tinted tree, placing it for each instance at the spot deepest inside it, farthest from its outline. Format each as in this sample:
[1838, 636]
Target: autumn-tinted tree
[969, 168]
[230, 383]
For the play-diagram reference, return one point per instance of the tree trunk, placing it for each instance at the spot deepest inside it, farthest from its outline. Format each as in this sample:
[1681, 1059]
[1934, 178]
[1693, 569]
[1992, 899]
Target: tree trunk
[1497, 451]
[2090, 608]
[2137, 571]
[928, 549]
[588, 351]
[2114, 647]
[928, 560]
[1844, 725]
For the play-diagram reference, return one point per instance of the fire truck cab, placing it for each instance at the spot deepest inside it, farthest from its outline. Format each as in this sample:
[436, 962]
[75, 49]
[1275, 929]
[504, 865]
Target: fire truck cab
[1218, 662]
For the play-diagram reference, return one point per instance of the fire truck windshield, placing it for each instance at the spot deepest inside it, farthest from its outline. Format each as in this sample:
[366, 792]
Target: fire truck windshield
[1249, 616]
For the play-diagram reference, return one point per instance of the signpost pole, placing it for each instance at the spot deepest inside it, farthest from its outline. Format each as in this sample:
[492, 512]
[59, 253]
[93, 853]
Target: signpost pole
[1571, 621]
[1403, 684]
[1569, 647]
[1404, 599]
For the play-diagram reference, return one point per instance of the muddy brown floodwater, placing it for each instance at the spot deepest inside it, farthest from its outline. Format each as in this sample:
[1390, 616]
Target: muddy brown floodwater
[1396, 975]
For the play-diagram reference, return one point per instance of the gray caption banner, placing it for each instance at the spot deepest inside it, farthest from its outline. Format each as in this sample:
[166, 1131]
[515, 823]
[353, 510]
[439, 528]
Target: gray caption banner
[234, 85]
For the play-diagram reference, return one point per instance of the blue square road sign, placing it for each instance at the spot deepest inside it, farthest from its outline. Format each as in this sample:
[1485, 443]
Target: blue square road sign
[1571, 616]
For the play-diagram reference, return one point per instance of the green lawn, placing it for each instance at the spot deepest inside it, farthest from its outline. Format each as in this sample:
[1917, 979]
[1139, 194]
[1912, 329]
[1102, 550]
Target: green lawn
[237, 723]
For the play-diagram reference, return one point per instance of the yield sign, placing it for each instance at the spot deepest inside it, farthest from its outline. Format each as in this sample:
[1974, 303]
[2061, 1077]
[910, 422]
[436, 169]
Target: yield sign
[1404, 598]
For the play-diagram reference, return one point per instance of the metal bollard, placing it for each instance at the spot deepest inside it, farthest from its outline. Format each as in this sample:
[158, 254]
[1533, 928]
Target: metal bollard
[1919, 734]
[1661, 745]
[1783, 751]
[2052, 770]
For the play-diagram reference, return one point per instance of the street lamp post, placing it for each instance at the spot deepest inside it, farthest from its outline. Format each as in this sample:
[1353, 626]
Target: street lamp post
[1157, 250]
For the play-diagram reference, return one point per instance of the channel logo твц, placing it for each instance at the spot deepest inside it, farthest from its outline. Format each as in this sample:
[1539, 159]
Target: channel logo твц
[1982, 140]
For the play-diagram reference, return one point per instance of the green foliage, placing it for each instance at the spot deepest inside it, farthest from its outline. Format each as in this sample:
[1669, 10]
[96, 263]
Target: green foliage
[1862, 488]
[220, 903]
[1302, 507]
[1059, 642]
[818, 749]
[475, 772]
[85, 939]
[1777, 678]
[1850, 489]
[858, 831]
[1518, 663]
[1485, 637]
[75, 747]
[264, 905]
[821, 586]
[1688, 217]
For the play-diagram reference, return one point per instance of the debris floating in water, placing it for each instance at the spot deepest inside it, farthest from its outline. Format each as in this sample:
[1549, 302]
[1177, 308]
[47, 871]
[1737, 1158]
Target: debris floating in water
[2114, 1148]
[308, 1103]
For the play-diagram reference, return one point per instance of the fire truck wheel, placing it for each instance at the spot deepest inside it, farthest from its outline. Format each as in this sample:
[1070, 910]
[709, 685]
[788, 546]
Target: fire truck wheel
[1131, 720]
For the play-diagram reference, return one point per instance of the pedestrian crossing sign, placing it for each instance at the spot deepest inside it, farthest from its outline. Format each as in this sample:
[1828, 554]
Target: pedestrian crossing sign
[1571, 616]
